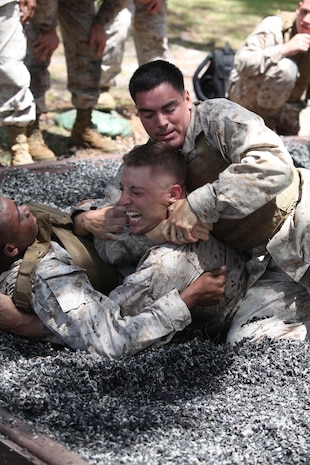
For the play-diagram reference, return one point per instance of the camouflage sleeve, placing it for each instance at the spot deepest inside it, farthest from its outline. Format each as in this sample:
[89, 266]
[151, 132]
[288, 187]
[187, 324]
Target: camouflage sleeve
[108, 10]
[262, 48]
[46, 14]
[87, 320]
[127, 249]
[260, 165]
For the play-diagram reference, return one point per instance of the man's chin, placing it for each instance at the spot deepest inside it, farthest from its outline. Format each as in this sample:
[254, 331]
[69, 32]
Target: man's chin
[172, 141]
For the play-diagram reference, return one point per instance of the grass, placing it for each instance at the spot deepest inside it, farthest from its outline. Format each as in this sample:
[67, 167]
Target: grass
[202, 24]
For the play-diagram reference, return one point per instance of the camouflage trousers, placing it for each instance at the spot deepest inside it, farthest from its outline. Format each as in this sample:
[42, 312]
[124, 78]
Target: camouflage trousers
[150, 38]
[16, 101]
[83, 71]
[276, 307]
[268, 95]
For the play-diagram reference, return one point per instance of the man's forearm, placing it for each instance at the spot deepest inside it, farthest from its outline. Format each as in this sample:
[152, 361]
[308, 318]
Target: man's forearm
[14, 321]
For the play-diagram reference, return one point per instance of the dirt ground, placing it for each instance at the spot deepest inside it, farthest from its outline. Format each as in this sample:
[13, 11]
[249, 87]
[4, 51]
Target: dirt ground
[59, 100]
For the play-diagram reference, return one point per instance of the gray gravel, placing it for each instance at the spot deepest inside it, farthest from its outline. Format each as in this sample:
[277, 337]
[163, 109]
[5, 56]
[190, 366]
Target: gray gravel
[190, 402]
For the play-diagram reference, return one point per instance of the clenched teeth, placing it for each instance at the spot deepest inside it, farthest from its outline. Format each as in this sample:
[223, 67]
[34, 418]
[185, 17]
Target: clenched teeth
[133, 216]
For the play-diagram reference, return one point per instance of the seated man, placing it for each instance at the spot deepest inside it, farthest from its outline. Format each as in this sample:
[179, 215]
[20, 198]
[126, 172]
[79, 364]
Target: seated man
[272, 69]
[152, 304]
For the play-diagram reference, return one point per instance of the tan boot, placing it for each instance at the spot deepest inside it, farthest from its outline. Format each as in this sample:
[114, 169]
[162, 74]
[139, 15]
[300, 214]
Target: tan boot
[83, 133]
[37, 147]
[19, 147]
[106, 101]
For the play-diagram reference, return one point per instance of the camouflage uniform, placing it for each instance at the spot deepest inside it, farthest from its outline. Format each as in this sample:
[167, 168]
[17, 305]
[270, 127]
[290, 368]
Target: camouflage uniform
[265, 82]
[167, 267]
[16, 100]
[254, 168]
[258, 168]
[82, 318]
[75, 17]
[150, 37]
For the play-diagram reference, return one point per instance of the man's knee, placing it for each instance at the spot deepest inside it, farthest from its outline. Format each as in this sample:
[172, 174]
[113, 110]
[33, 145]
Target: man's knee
[285, 71]
[275, 307]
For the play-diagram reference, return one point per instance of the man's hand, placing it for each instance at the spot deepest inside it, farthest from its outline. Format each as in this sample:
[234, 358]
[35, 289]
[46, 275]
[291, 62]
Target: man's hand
[104, 223]
[14, 321]
[97, 40]
[201, 231]
[27, 9]
[183, 225]
[206, 290]
[45, 45]
[299, 43]
[156, 234]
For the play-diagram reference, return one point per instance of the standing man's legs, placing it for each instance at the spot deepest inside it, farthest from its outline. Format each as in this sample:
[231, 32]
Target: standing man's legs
[150, 38]
[150, 34]
[40, 84]
[76, 20]
[117, 34]
[17, 107]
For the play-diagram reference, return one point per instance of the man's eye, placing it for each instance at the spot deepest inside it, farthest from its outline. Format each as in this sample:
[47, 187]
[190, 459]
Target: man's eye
[170, 109]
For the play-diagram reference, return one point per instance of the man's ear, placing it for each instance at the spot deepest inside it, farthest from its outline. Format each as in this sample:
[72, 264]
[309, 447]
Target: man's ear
[175, 193]
[10, 250]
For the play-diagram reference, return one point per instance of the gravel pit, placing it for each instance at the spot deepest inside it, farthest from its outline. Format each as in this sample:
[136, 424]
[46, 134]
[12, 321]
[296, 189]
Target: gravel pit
[189, 402]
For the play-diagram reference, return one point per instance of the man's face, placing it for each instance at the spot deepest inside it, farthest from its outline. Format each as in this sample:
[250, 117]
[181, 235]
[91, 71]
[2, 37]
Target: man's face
[145, 196]
[22, 226]
[164, 113]
[303, 17]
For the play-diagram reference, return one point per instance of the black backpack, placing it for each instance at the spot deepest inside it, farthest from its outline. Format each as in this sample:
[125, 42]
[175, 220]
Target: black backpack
[211, 77]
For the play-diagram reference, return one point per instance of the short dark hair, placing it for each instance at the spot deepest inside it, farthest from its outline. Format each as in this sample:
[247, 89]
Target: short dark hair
[152, 74]
[161, 157]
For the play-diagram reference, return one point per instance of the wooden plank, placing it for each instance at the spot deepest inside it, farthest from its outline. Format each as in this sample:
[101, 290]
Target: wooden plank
[12, 454]
[41, 447]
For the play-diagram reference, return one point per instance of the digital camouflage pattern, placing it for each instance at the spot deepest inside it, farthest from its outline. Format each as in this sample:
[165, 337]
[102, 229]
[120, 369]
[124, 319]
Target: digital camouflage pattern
[150, 38]
[75, 314]
[265, 82]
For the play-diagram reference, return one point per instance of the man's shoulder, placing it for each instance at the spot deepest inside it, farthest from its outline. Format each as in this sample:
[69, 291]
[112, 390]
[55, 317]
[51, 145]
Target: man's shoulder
[221, 109]
[287, 18]
[270, 22]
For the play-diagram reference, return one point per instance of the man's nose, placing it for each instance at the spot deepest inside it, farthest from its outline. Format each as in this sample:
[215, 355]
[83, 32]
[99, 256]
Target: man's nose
[161, 120]
[124, 199]
[306, 17]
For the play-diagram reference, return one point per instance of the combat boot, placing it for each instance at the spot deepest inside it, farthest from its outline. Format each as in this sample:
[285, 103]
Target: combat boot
[37, 147]
[19, 147]
[83, 133]
[106, 101]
